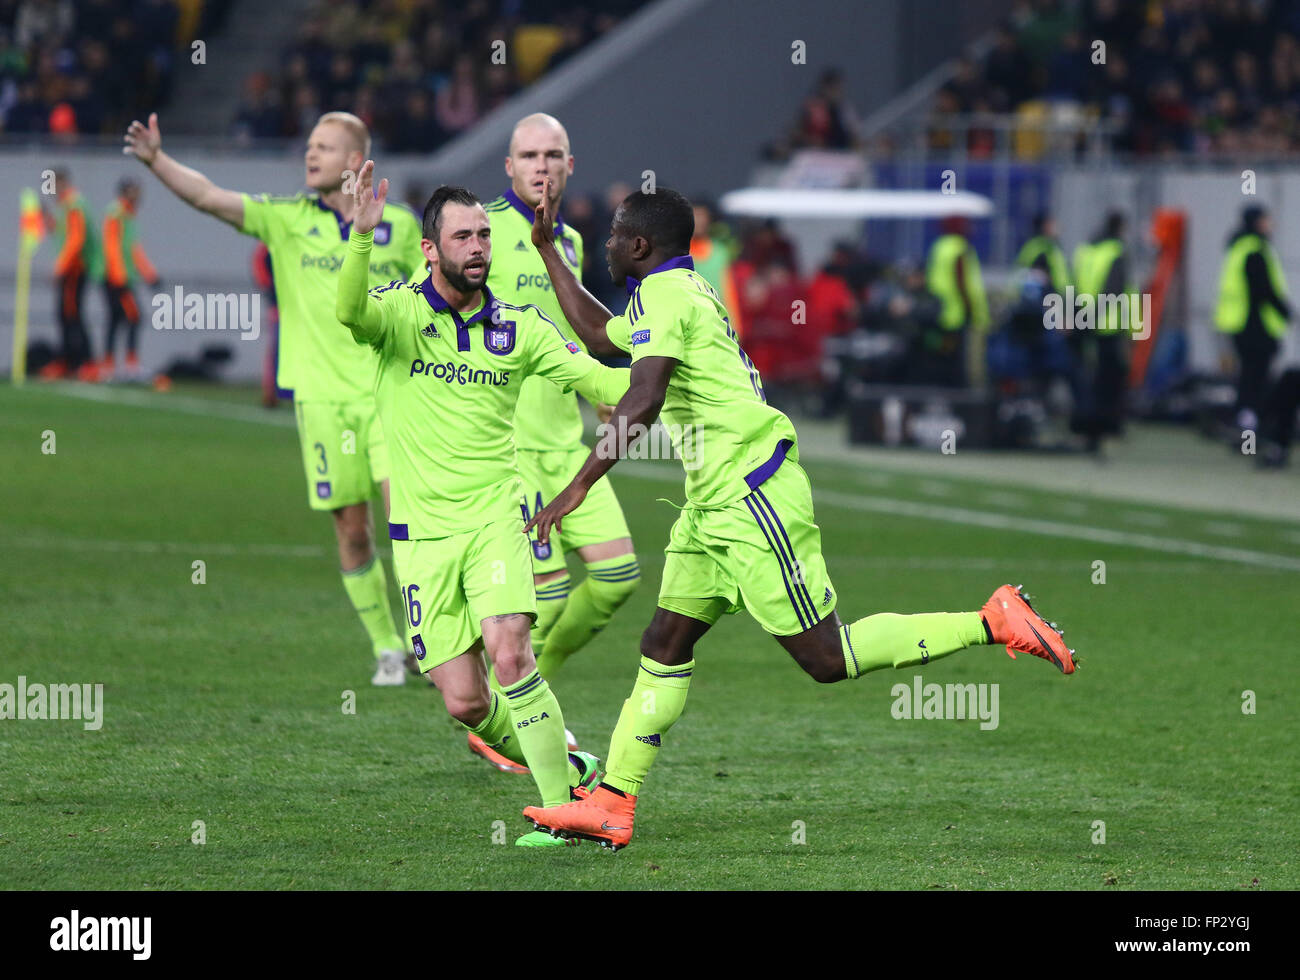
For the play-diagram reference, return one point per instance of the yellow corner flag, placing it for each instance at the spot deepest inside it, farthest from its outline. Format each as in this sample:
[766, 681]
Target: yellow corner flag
[31, 229]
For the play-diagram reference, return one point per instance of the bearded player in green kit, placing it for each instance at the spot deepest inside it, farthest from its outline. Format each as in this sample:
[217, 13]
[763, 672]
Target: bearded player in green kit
[332, 379]
[452, 360]
[548, 424]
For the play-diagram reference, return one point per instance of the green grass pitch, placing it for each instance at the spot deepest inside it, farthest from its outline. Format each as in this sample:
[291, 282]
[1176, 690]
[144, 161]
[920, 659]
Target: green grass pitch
[223, 701]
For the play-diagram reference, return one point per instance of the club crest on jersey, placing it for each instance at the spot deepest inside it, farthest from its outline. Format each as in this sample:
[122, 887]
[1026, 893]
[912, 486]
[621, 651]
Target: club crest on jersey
[417, 647]
[383, 232]
[541, 550]
[323, 489]
[499, 338]
[641, 337]
[570, 252]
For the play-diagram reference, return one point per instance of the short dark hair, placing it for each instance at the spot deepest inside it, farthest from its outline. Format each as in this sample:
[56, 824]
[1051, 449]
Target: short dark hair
[664, 219]
[447, 193]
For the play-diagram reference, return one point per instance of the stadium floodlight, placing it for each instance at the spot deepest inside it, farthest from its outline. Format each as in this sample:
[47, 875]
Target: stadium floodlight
[781, 202]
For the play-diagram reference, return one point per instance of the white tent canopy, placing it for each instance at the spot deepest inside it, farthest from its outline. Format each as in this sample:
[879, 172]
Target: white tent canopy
[782, 202]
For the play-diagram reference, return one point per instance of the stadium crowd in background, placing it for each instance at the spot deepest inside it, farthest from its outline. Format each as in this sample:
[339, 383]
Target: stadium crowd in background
[87, 68]
[1192, 76]
[422, 71]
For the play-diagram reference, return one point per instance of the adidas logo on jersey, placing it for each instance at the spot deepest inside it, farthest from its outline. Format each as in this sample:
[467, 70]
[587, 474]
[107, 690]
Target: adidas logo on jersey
[314, 231]
[521, 247]
[649, 739]
[430, 331]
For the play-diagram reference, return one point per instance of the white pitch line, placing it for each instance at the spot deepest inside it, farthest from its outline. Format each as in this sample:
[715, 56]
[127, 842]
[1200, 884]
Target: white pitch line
[170, 547]
[1009, 522]
[1149, 518]
[859, 502]
[1055, 529]
[186, 404]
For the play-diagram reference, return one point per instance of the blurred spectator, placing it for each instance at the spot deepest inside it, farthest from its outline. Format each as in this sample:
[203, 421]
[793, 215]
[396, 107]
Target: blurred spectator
[259, 115]
[711, 251]
[1101, 354]
[827, 121]
[78, 260]
[420, 131]
[1043, 252]
[766, 247]
[954, 277]
[457, 100]
[125, 264]
[833, 302]
[1252, 308]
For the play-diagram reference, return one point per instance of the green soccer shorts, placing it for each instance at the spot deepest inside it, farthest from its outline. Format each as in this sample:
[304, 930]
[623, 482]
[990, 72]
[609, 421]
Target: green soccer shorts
[343, 452]
[762, 553]
[450, 585]
[544, 473]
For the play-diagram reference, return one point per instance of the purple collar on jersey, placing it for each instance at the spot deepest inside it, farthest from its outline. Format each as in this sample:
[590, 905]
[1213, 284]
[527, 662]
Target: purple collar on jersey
[517, 203]
[440, 305]
[345, 227]
[680, 262]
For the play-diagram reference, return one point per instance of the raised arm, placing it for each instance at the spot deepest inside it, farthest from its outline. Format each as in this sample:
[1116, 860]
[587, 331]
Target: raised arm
[586, 314]
[145, 144]
[355, 308]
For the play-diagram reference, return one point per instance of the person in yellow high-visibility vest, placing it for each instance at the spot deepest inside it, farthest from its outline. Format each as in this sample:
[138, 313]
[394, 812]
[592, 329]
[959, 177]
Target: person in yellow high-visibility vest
[1101, 354]
[1043, 252]
[953, 276]
[1253, 308]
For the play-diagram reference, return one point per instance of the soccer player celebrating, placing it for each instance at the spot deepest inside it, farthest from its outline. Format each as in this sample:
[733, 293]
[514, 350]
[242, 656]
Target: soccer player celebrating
[548, 425]
[332, 379]
[746, 536]
[452, 361]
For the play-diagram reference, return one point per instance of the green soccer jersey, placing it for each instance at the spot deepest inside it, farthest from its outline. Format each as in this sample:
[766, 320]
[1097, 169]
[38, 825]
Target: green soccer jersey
[307, 242]
[729, 438]
[547, 418]
[446, 390]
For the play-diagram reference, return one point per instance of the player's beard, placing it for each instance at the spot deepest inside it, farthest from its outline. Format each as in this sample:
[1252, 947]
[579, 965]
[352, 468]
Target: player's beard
[459, 281]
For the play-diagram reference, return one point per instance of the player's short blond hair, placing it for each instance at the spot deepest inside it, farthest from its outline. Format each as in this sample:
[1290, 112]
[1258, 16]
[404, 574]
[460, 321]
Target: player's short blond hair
[355, 128]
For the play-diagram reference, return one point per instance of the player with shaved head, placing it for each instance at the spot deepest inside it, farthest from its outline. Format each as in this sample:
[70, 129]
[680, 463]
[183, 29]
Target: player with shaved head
[331, 378]
[548, 423]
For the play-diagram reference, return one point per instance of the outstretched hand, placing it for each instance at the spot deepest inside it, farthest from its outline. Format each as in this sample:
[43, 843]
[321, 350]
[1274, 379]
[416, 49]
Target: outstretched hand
[369, 202]
[544, 219]
[569, 500]
[143, 142]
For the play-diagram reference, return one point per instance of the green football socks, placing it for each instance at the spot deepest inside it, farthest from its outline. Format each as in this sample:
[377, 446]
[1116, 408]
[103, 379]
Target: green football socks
[893, 640]
[367, 587]
[590, 607]
[552, 597]
[539, 730]
[657, 701]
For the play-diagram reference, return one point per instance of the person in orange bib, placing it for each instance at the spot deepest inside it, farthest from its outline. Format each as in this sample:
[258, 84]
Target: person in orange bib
[125, 263]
